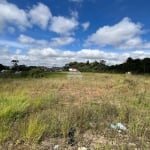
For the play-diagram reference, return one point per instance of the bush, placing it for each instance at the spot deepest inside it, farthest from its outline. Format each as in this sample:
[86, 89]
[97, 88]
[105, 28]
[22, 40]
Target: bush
[36, 73]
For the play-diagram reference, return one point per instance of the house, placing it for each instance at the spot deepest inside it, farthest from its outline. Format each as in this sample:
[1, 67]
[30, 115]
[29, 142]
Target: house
[74, 73]
[73, 70]
[129, 73]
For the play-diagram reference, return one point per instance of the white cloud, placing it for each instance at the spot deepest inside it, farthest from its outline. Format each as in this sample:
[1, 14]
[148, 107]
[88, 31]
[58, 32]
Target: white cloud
[10, 13]
[4, 51]
[85, 25]
[40, 15]
[141, 54]
[46, 52]
[55, 56]
[138, 52]
[95, 54]
[18, 51]
[14, 44]
[62, 25]
[123, 35]
[51, 56]
[61, 41]
[63, 57]
[132, 43]
[6, 55]
[31, 42]
[26, 39]
[54, 42]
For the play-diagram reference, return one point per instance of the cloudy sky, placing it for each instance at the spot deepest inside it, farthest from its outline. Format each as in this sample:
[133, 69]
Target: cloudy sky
[55, 32]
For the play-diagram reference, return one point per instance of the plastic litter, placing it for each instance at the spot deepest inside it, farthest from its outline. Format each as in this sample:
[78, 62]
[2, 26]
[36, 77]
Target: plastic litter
[71, 136]
[119, 126]
[82, 148]
[56, 147]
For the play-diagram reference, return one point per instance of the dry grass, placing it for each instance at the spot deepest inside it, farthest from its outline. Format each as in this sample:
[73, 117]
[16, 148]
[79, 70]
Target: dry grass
[38, 113]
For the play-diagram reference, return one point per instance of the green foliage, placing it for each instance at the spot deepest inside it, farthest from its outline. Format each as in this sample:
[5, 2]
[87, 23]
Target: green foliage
[134, 65]
[87, 67]
[36, 73]
[4, 131]
[35, 129]
[2, 67]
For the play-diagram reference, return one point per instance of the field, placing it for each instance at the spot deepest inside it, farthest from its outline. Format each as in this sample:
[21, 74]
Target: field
[38, 114]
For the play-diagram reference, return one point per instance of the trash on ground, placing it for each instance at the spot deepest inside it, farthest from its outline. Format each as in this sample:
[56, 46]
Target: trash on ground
[119, 126]
[56, 147]
[82, 148]
[71, 136]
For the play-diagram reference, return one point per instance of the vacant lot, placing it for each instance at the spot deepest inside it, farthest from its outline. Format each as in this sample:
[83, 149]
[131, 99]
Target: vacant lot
[39, 113]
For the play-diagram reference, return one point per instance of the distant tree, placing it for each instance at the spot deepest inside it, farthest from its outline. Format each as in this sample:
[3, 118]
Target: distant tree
[2, 67]
[87, 63]
[15, 64]
[23, 68]
[102, 62]
[129, 60]
[133, 65]
[146, 65]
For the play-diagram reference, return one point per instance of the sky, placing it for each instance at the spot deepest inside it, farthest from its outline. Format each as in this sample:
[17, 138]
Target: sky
[56, 32]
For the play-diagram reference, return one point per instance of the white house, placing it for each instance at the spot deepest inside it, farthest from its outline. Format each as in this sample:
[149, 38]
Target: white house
[73, 69]
[74, 73]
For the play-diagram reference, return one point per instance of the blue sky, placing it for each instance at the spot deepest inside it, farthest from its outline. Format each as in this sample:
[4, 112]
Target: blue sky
[55, 32]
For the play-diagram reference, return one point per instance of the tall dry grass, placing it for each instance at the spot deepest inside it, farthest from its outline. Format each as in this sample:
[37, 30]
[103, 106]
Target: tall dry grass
[33, 111]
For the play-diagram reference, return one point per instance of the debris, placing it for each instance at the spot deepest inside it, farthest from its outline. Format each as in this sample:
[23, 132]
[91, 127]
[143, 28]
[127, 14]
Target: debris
[82, 148]
[71, 135]
[129, 73]
[119, 126]
[113, 126]
[56, 147]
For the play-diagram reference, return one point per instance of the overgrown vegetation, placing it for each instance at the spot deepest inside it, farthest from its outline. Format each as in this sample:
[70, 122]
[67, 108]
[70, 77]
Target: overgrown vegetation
[136, 66]
[133, 65]
[39, 111]
[32, 73]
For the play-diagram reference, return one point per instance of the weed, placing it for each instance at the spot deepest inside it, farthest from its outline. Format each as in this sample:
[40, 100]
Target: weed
[35, 129]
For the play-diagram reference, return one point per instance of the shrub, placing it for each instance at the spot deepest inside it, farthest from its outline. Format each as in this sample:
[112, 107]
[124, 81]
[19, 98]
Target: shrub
[36, 73]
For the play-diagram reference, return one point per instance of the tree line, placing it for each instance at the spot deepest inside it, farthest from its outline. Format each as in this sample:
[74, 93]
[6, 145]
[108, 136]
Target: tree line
[130, 65]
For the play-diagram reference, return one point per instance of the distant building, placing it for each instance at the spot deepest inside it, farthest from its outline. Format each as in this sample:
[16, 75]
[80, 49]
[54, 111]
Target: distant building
[74, 73]
[129, 72]
[73, 69]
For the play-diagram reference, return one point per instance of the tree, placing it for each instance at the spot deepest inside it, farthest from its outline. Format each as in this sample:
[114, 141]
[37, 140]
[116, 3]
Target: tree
[129, 60]
[87, 63]
[2, 67]
[102, 62]
[15, 64]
